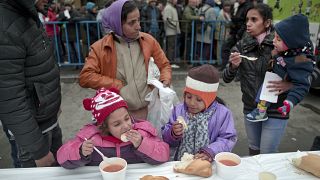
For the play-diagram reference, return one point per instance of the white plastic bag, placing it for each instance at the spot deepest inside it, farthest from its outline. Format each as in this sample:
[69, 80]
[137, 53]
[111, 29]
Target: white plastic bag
[161, 101]
[153, 71]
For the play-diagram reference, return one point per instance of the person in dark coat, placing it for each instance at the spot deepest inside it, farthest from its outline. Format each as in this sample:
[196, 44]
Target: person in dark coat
[30, 92]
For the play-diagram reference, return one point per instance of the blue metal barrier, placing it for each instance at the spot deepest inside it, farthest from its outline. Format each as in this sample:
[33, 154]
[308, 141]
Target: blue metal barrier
[76, 49]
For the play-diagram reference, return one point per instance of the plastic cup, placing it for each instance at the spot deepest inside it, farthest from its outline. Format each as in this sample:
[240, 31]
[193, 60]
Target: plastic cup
[228, 165]
[267, 176]
[110, 164]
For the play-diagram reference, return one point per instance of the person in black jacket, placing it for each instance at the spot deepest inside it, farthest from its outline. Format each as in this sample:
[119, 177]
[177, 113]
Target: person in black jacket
[30, 93]
[238, 27]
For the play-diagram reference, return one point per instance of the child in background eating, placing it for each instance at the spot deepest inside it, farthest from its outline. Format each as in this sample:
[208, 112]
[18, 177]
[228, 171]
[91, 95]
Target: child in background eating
[112, 121]
[210, 127]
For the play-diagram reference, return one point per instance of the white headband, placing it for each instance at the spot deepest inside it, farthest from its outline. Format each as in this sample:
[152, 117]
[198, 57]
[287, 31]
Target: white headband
[201, 86]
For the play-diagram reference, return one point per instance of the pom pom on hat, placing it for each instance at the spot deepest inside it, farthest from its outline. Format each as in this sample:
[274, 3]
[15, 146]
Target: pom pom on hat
[203, 81]
[104, 103]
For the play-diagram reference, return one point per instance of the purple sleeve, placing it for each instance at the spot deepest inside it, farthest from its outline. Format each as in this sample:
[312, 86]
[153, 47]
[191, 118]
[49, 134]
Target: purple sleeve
[227, 136]
[166, 130]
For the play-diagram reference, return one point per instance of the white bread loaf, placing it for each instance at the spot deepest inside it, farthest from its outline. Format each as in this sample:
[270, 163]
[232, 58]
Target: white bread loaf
[191, 166]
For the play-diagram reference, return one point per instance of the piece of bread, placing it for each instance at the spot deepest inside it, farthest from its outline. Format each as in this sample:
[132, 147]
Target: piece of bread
[150, 177]
[183, 122]
[309, 163]
[192, 166]
[123, 137]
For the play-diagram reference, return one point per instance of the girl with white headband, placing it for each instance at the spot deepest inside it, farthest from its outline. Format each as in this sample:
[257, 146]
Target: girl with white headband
[208, 126]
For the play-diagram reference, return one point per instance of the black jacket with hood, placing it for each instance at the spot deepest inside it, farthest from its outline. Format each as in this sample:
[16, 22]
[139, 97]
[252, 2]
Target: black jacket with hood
[30, 93]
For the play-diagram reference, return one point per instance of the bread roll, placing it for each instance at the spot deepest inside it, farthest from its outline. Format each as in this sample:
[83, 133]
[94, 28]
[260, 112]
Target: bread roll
[309, 163]
[192, 166]
[150, 177]
[123, 137]
[183, 122]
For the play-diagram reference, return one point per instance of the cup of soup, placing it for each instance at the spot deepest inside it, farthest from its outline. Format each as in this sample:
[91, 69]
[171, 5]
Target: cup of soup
[227, 165]
[114, 168]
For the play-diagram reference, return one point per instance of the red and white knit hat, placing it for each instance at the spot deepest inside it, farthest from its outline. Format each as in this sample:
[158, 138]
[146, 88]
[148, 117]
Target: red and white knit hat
[104, 103]
[203, 81]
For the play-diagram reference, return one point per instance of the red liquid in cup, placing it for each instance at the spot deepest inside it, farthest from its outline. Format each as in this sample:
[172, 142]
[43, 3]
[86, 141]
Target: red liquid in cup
[113, 168]
[228, 162]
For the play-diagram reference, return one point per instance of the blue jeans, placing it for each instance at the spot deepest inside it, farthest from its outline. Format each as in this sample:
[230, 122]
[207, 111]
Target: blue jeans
[265, 135]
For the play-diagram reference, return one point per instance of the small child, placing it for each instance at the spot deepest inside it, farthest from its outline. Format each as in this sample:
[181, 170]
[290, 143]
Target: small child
[293, 62]
[210, 127]
[113, 120]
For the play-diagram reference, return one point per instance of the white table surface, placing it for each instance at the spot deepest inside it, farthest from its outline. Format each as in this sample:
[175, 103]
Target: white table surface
[278, 163]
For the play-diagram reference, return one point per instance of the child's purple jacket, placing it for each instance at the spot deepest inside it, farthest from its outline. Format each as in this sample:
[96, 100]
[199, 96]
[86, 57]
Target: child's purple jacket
[221, 129]
[152, 150]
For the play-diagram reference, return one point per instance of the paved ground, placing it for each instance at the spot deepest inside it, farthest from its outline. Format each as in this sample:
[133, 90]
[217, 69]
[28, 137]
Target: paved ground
[303, 126]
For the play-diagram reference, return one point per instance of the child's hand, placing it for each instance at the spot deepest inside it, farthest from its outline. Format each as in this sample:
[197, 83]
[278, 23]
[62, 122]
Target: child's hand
[135, 137]
[87, 147]
[286, 108]
[203, 156]
[177, 128]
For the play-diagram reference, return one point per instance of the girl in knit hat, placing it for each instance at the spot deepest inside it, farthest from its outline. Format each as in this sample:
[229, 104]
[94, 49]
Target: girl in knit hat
[292, 61]
[209, 126]
[115, 133]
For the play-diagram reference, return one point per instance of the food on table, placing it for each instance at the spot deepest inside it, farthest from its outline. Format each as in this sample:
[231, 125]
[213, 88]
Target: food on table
[228, 162]
[183, 122]
[191, 166]
[113, 168]
[150, 177]
[123, 137]
[309, 163]
[267, 176]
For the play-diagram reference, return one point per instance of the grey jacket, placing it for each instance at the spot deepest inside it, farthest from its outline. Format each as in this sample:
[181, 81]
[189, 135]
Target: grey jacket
[30, 93]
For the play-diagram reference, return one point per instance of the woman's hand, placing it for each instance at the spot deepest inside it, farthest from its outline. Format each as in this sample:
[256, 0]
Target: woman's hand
[279, 86]
[166, 83]
[87, 147]
[235, 60]
[177, 128]
[135, 137]
[203, 156]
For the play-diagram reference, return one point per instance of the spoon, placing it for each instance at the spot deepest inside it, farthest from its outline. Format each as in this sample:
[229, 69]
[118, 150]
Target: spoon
[99, 152]
[249, 58]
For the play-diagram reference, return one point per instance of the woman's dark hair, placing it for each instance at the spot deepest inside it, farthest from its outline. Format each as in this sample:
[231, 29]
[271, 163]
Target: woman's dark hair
[264, 10]
[127, 8]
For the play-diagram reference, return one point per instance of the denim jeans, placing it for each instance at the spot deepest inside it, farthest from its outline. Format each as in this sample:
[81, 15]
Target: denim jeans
[265, 135]
[54, 138]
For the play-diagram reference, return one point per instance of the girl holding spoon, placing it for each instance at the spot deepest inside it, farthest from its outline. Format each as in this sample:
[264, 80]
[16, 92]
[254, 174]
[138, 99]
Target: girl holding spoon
[115, 134]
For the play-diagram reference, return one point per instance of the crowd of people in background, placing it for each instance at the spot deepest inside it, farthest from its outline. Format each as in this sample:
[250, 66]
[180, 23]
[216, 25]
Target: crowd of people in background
[73, 29]
[30, 101]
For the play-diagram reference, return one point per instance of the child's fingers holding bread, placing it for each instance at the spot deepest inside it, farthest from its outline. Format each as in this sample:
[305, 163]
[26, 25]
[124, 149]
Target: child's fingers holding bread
[177, 129]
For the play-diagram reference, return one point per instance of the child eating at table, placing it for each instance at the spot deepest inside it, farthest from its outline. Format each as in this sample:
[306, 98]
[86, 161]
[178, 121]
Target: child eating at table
[207, 127]
[115, 133]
